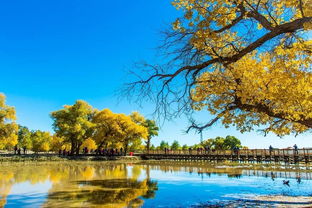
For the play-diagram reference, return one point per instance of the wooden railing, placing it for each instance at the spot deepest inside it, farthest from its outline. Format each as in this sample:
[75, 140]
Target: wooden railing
[244, 152]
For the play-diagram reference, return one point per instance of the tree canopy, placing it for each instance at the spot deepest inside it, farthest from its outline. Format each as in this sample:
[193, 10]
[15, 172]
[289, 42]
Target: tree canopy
[221, 143]
[24, 137]
[175, 145]
[41, 141]
[74, 123]
[246, 62]
[8, 127]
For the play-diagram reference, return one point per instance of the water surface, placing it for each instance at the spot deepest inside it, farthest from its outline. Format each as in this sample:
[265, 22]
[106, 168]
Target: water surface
[145, 184]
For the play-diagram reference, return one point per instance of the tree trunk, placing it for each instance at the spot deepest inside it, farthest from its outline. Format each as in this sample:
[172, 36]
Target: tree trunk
[78, 148]
[73, 148]
[148, 144]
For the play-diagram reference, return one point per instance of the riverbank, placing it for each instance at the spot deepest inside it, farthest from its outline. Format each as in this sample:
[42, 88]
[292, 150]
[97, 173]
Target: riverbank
[47, 157]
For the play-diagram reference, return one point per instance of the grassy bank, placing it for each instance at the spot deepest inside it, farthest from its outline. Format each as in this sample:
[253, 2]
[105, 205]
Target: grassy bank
[43, 158]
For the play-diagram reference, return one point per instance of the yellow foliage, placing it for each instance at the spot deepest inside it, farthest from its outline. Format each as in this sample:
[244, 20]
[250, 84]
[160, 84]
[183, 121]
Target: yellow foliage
[89, 143]
[254, 67]
[114, 129]
[8, 127]
[272, 89]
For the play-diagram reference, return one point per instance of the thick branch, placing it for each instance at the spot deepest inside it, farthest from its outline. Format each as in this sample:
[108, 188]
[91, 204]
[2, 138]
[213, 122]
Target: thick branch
[260, 107]
[281, 29]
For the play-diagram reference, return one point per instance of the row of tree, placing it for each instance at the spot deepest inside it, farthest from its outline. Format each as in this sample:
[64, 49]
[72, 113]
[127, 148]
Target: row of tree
[78, 126]
[81, 126]
[218, 143]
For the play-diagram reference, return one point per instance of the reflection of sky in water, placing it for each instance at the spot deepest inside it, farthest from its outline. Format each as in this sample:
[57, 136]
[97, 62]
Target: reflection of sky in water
[28, 195]
[181, 189]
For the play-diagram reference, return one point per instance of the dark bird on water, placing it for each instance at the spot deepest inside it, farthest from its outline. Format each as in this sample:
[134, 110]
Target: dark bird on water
[286, 182]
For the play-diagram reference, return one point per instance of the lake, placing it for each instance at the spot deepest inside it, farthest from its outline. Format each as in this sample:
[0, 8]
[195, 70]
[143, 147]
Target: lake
[153, 184]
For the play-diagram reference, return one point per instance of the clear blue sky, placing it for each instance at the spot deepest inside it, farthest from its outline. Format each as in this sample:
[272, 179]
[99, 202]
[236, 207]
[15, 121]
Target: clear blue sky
[55, 52]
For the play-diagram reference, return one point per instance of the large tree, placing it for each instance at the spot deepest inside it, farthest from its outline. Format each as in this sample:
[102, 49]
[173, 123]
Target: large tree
[74, 123]
[106, 128]
[119, 130]
[247, 62]
[8, 127]
[130, 131]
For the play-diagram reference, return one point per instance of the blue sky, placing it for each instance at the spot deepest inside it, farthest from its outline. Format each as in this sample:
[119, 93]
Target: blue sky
[55, 52]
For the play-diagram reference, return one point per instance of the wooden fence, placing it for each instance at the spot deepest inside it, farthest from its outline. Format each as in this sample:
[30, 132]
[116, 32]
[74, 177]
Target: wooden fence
[258, 155]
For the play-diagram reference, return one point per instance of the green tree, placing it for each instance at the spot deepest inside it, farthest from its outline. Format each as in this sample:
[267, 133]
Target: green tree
[185, 147]
[195, 146]
[152, 129]
[74, 123]
[218, 143]
[8, 127]
[231, 142]
[153, 147]
[163, 145]
[208, 143]
[24, 137]
[175, 145]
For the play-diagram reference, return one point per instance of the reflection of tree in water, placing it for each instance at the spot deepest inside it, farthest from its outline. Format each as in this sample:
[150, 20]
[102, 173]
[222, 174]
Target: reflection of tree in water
[5, 186]
[110, 193]
[84, 183]
[106, 186]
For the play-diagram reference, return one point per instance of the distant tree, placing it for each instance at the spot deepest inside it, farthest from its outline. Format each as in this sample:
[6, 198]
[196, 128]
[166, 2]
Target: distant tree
[218, 143]
[185, 147]
[74, 123]
[195, 146]
[208, 143]
[163, 145]
[24, 137]
[8, 127]
[153, 147]
[231, 142]
[175, 145]
[152, 129]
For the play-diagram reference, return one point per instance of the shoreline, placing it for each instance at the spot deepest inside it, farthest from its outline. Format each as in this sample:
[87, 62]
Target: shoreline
[57, 158]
